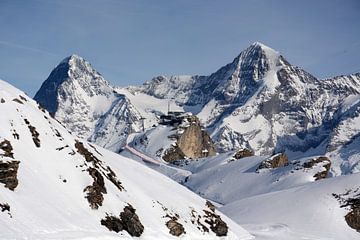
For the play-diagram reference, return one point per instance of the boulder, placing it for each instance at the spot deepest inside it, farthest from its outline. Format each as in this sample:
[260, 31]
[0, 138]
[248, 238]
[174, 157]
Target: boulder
[131, 221]
[175, 228]
[128, 221]
[193, 142]
[243, 153]
[276, 161]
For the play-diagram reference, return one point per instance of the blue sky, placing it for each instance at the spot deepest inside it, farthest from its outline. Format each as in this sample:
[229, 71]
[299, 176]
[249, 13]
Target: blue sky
[129, 42]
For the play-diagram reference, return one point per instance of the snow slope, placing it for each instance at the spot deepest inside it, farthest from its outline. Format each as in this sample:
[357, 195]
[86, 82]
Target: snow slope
[306, 212]
[57, 172]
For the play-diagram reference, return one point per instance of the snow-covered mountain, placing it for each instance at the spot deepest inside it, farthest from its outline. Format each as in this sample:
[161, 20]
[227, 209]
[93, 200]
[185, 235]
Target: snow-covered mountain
[87, 105]
[258, 101]
[262, 102]
[55, 186]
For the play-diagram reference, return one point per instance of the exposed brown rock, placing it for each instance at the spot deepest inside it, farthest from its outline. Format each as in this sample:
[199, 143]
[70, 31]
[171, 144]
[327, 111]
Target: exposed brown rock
[8, 174]
[5, 145]
[96, 190]
[89, 157]
[175, 227]
[353, 203]
[112, 177]
[353, 219]
[128, 221]
[276, 161]
[217, 225]
[2, 100]
[131, 221]
[113, 223]
[173, 153]
[210, 206]
[243, 153]
[194, 142]
[320, 160]
[35, 135]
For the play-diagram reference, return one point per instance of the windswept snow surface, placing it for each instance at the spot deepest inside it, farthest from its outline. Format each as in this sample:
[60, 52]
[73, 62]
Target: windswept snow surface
[281, 203]
[49, 201]
[306, 212]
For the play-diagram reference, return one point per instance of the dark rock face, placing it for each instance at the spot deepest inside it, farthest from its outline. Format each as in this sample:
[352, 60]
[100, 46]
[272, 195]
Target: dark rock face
[5, 145]
[5, 207]
[351, 200]
[47, 94]
[217, 225]
[8, 168]
[89, 157]
[353, 219]
[128, 221]
[278, 160]
[320, 160]
[35, 135]
[112, 223]
[175, 228]
[8, 174]
[96, 190]
[173, 153]
[131, 221]
[97, 172]
[194, 142]
[243, 153]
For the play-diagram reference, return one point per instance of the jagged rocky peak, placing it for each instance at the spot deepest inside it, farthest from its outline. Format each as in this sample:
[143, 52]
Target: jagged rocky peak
[71, 75]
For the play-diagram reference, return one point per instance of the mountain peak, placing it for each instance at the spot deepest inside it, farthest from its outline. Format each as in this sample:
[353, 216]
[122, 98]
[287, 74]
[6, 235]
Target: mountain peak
[260, 47]
[71, 58]
[75, 76]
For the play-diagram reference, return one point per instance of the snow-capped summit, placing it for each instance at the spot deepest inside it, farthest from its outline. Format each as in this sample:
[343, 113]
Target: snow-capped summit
[258, 101]
[73, 72]
[263, 102]
[79, 97]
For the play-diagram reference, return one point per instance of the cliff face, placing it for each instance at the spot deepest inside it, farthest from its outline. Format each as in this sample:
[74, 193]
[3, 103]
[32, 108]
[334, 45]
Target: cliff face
[193, 142]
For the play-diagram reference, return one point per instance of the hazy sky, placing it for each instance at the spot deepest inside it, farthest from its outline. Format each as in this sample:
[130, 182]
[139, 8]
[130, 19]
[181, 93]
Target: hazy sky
[129, 42]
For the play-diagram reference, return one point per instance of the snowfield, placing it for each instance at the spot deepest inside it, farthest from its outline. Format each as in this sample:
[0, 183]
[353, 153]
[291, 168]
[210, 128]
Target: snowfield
[49, 201]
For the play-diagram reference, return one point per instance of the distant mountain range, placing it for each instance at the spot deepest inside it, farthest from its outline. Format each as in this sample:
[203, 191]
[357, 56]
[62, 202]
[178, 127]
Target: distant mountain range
[258, 101]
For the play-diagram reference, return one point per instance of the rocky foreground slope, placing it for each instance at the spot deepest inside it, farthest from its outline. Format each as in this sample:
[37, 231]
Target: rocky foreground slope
[55, 186]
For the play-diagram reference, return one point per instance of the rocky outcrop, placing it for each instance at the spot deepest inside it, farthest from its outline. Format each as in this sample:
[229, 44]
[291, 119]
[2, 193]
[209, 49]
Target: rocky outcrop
[35, 135]
[243, 153]
[217, 225]
[94, 192]
[175, 228]
[5, 145]
[8, 174]
[324, 161]
[351, 200]
[193, 142]
[128, 221]
[8, 168]
[276, 161]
